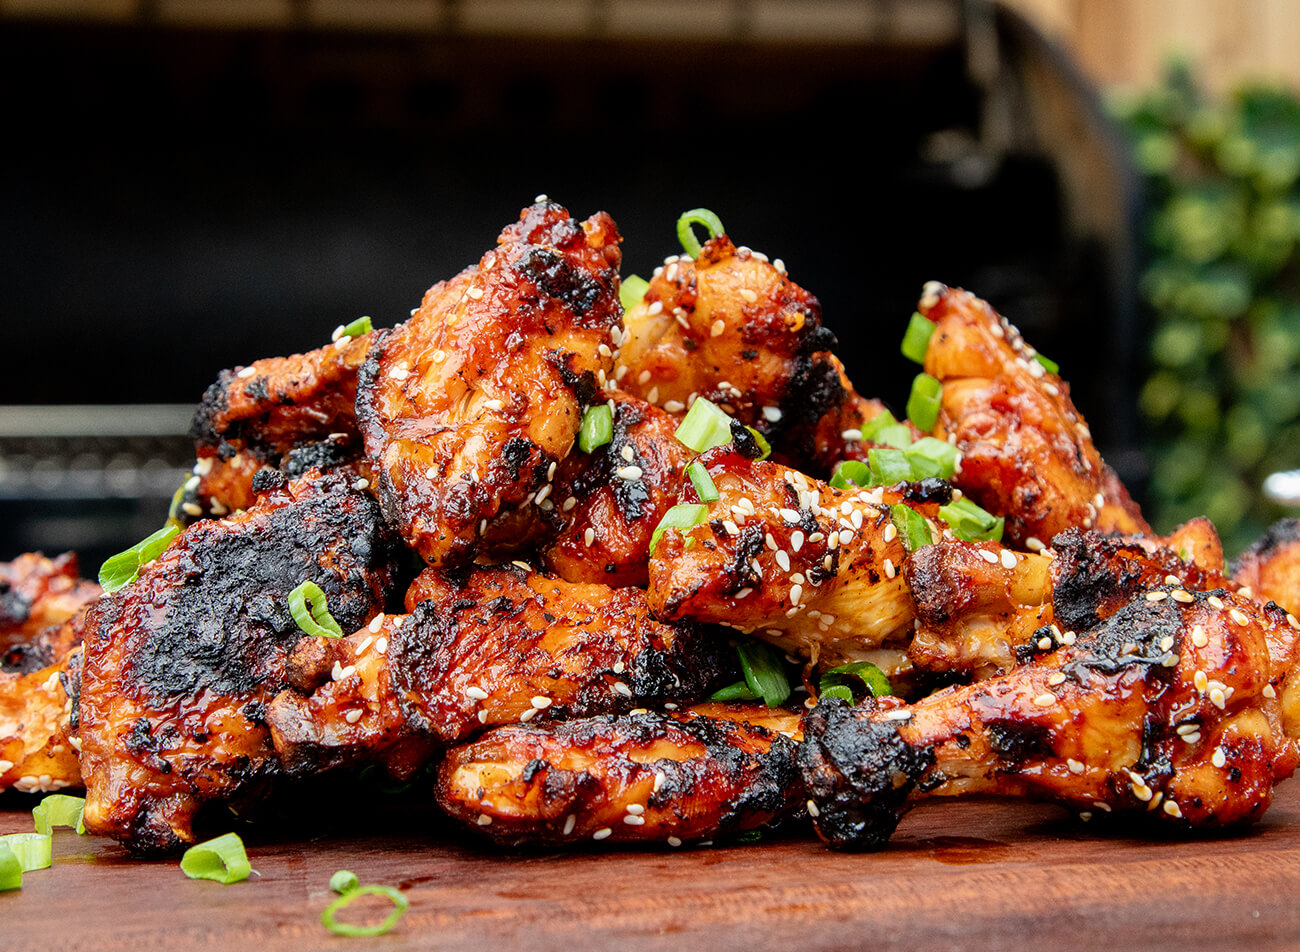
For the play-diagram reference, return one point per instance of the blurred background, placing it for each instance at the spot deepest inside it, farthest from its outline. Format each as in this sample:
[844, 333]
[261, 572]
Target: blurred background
[192, 184]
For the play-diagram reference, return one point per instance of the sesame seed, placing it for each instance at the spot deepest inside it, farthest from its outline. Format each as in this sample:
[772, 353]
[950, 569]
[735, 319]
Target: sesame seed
[674, 406]
[1034, 545]
[796, 540]
[399, 373]
[749, 296]
[744, 592]
[629, 473]
[528, 715]
[891, 532]
[1055, 678]
[1172, 809]
[1157, 596]
[796, 593]
[1202, 681]
[474, 293]
[632, 819]
[1219, 757]
[482, 715]
[1193, 738]
[653, 395]
[353, 715]
[431, 473]
[717, 327]
[602, 833]
[381, 645]
[570, 822]
[1009, 560]
[846, 536]
[890, 572]
[543, 493]
[674, 841]
[1215, 602]
[618, 667]
[643, 377]
[812, 809]
[1044, 644]
[588, 536]
[627, 453]
[1218, 699]
[856, 518]
[621, 688]
[604, 351]
[789, 515]
[1166, 642]
[1239, 617]
[192, 509]
[772, 414]
[569, 503]
[477, 693]
[730, 527]
[1075, 766]
[770, 541]
[851, 434]
[246, 373]
[897, 716]
[1187, 728]
[989, 557]
[1269, 691]
[1046, 699]
[783, 560]
[1199, 638]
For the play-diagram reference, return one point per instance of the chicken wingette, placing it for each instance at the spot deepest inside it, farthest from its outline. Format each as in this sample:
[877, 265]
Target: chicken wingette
[468, 407]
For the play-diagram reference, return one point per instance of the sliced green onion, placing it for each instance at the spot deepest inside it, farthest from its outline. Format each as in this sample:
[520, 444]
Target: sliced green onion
[844, 676]
[1051, 366]
[912, 527]
[924, 402]
[896, 435]
[764, 447]
[59, 809]
[970, 523]
[704, 426]
[734, 692]
[940, 454]
[702, 481]
[344, 881]
[889, 466]
[221, 860]
[632, 290]
[357, 328]
[686, 233]
[316, 621]
[764, 672]
[124, 568]
[871, 429]
[597, 427]
[11, 869]
[916, 339]
[33, 850]
[400, 905]
[851, 472]
[681, 516]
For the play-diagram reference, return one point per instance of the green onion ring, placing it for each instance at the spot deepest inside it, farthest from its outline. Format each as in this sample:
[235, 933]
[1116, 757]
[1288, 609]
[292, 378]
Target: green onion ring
[399, 901]
[222, 860]
[317, 622]
[686, 234]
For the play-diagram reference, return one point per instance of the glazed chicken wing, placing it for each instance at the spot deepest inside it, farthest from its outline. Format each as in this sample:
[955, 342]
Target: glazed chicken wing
[502, 645]
[1027, 453]
[37, 595]
[38, 748]
[180, 664]
[813, 569]
[1270, 569]
[469, 406]
[1181, 706]
[642, 776]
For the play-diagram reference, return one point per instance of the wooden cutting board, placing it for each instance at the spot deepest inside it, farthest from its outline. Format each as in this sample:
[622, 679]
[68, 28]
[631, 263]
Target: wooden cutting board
[958, 875]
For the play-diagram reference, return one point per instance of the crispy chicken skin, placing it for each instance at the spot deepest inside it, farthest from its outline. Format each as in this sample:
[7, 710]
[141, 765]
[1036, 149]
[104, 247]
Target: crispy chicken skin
[812, 569]
[468, 406]
[732, 327]
[257, 415]
[38, 749]
[606, 504]
[1027, 453]
[180, 664]
[1180, 706]
[1270, 568]
[37, 595]
[497, 646]
[982, 608]
[643, 776]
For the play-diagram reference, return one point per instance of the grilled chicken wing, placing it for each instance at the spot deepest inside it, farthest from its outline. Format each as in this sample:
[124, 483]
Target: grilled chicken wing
[468, 406]
[501, 646]
[812, 569]
[37, 595]
[38, 748]
[1270, 569]
[982, 608]
[732, 327]
[1027, 453]
[258, 415]
[1182, 705]
[636, 777]
[180, 664]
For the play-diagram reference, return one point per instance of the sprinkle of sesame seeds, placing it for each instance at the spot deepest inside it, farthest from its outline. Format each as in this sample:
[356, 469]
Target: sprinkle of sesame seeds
[399, 373]
[528, 715]
[191, 509]
[674, 841]
[1202, 681]
[477, 693]
[890, 571]
[1219, 757]
[1046, 699]
[717, 327]
[353, 715]
[1218, 699]
[621, 688]
[1215, 602]
[856, 518]
[632, 819]
[618, 667]
[588, 536]
[812, 809]
[891, 532]
[482, 715]
[1269, 691]
[1044, 644]
[1055, 678]
[851, 434]
[897, 715]
[1075, 766]
[783, 560]
[846, 536]
[796, 540]
[1172, 809]
[1239, 616]
[1157, 596]
[674, 406]
[628, 473]
[989, 557]
[796, 593]
[750, 296]
[570, 822]
[602, 833]
[246, 373]
[381, 645]
[744, 592]
[627, 453]
[1034, 544]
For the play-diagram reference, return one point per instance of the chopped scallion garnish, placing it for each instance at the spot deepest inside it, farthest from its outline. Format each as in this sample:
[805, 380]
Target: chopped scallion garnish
[843, 678]
[764, 447]
[889, 466]
[11, 869]
[916, 340]
[970, 523]
[357, 328]
[734, 692]
[912, 527]
[924, 402]
[222, 860]
[764, 672]
[940, 453]
[33, 850]
[344, 881]
[399, 901]
[704, 426]
[1051, 366]
[686, 232]
[851, 472]
[124, 568]
[59, 809]
[632, 290]
[597, 427]
[702, 481]
[316, 620]
[871, 429]
[681, 516]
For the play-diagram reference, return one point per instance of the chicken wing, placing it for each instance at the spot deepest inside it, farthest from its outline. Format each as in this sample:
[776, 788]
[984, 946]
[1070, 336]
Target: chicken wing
[38, 749]
[643, 776]
[37, 595]
[1181, 706]
[812, 569]
[501, 645]
[180, 664]
[1270, 568]
[469, 406]
[1027, 453]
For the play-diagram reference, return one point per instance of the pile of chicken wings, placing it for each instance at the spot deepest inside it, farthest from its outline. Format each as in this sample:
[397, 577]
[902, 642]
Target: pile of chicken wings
[525, 614]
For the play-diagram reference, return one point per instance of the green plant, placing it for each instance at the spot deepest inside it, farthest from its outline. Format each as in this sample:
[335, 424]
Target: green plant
[1222, 282]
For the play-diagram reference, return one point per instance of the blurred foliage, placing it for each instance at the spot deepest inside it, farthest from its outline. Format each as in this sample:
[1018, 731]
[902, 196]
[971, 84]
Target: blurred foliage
[1222, 281]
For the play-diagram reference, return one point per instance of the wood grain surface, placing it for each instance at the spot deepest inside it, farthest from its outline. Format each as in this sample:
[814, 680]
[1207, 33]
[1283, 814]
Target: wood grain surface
[959, 875]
